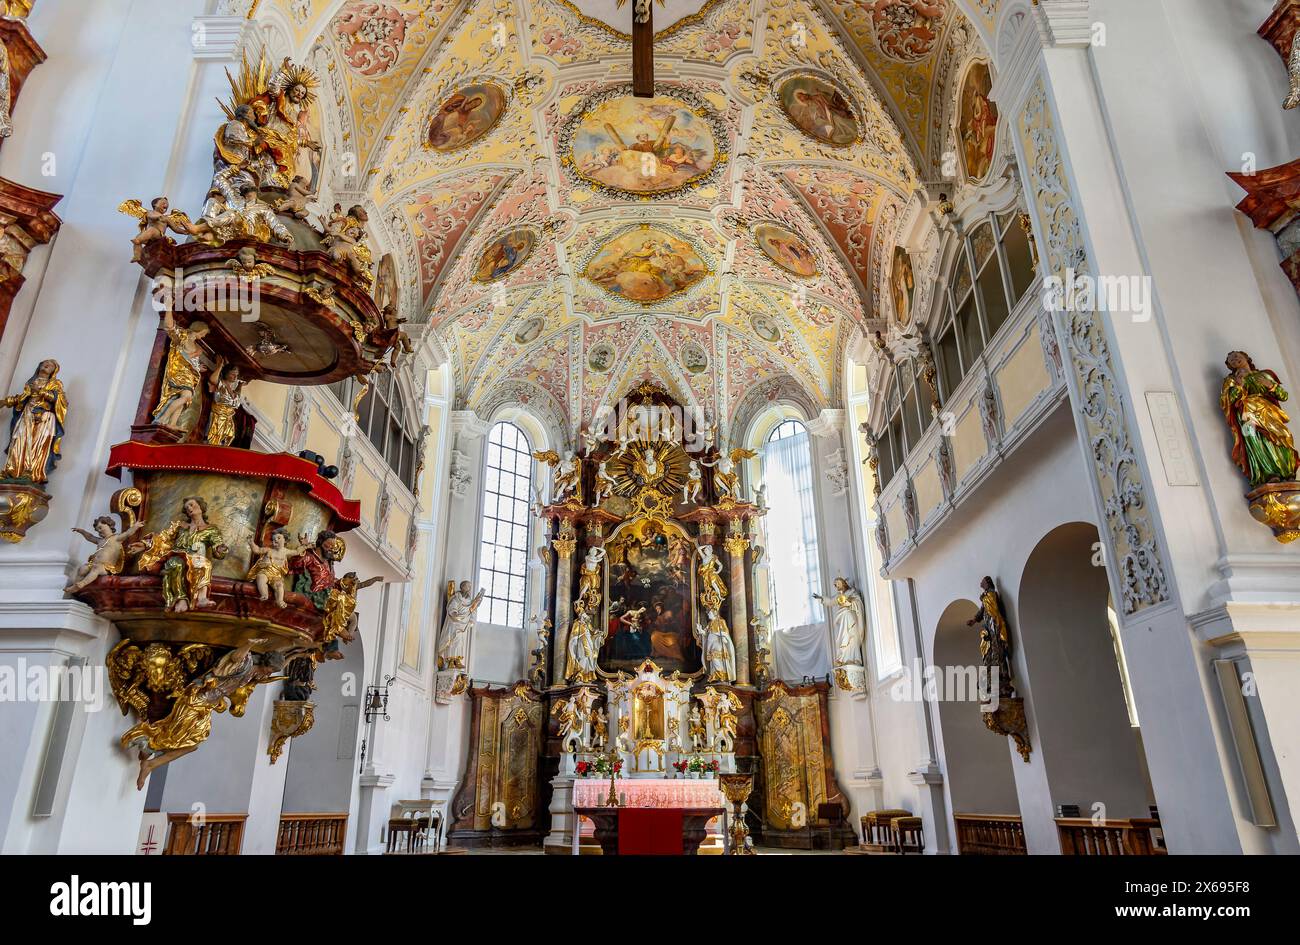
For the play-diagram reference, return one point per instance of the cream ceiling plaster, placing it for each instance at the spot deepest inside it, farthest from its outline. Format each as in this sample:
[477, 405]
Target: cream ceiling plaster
[531, 334]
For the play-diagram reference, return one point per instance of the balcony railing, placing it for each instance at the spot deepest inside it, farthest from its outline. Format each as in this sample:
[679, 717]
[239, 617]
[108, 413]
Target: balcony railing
[1081, 836]
[209, 835]
[989, 835]
[311, 834]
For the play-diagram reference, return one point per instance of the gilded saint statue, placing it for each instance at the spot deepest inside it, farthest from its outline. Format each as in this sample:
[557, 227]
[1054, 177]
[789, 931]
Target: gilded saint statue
[995, 636]
[1262, 446]
[456, 626]
[36, 429]
[848, 618]
[585, 641]
[182, 376]
[589, 577]
[192, 543]
[718, 652]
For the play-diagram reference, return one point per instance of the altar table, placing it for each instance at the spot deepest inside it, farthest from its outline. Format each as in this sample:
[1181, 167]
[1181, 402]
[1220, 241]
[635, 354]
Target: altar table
[650, 831]
[697, 802]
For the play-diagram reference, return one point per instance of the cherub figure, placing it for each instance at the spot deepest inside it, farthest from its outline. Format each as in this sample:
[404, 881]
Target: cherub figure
[694, 483]
[272, 566]
[154, 222]
[346, 242]
[604, 483]
[109, 555]
[696, 729]
[391, 336]
[295, 202]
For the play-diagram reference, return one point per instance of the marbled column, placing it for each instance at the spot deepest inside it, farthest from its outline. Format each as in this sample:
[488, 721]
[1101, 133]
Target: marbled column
[564, 545]
[736, 545]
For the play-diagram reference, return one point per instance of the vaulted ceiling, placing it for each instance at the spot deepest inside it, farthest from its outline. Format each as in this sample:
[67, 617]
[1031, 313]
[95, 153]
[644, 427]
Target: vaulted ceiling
[554, 268]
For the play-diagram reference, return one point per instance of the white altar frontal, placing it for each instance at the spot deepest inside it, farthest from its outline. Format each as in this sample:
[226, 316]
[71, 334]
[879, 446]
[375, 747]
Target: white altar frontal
[655, 729]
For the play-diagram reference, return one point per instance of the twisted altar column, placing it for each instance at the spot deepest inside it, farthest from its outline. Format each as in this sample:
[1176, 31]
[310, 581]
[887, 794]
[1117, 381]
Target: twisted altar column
[736, 545]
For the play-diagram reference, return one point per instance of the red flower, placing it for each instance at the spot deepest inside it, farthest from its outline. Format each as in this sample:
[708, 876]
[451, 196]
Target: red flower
[582, 767]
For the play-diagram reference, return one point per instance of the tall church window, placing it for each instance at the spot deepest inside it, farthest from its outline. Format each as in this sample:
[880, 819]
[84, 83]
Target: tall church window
[503, 548]
[791, 524]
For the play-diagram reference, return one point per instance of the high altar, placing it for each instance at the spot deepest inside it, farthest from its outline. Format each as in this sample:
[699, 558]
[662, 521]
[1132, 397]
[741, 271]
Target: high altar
[653, 669]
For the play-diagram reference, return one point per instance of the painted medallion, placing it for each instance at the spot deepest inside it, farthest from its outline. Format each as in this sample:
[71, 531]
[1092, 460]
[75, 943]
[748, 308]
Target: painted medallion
[646, 265]
[819, 110]
[504, 255]
[786, 249]
[465, 116]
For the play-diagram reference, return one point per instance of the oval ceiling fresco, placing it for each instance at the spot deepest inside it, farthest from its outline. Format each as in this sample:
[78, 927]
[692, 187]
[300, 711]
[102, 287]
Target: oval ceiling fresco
[643, 146]
[786, 249]
[819, 110]
[465, 116]
[646, 265]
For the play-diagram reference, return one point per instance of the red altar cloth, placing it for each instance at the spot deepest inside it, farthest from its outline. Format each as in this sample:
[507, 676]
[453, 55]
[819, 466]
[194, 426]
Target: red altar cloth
[649, 831]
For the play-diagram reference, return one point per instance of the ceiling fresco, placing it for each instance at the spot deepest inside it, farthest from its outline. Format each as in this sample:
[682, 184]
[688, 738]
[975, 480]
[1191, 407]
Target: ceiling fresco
[565, 241]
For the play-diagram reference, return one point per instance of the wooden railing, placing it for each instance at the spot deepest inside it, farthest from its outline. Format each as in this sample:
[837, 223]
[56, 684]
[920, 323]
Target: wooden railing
[209, 835]
[311, 834]
[989, 835]
[1081, 836]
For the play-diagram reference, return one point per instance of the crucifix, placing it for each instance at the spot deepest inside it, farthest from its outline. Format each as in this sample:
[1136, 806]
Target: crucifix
[643, 54]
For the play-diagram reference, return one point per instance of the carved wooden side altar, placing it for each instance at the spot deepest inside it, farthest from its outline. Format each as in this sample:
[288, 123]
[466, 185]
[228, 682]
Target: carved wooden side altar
[797, 774]
[499, 800]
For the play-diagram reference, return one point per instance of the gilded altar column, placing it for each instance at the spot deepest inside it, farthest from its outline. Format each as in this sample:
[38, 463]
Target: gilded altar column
[736, 543]
[564, 544]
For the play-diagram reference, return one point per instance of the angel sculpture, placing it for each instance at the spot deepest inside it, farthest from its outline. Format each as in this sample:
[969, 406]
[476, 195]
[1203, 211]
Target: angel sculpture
[574, 716]
[295, 201]
[849, 620]
[346, 242]
[110, 552]
[590, 440]
[694, 483]
[605, 483]
[712, 587]
[725, 478]
[568, 474]
[154, 223]
[139, 676]
[728, 722]
[589, 577]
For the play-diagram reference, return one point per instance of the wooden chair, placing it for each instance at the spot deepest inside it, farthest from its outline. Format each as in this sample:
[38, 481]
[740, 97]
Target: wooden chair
[909, 837]
[878, 829]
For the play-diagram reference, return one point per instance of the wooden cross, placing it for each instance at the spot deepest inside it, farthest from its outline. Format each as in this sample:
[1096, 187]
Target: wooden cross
[643, 53]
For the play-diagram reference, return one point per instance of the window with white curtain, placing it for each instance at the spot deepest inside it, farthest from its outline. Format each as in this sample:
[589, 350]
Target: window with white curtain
[791, 524]
[503, 549]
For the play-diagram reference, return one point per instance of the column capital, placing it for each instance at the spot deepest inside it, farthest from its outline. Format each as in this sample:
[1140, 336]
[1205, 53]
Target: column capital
[219, 38]
[466, 423]
[830, 422]
[1064, 22]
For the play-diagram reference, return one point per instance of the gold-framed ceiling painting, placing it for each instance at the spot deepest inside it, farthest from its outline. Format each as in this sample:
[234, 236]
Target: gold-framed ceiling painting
[465, 116]
[819, 109]
[787, 249]
[643, 146]
[503, 255]
[979, 122]
[646, 265]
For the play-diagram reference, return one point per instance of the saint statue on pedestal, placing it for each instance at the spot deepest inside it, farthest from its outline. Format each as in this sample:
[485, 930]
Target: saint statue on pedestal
[849, 622]
[719, 653]
[457, 625]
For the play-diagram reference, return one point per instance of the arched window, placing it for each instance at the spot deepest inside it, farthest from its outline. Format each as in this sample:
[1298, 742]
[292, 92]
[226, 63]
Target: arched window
[792, 526]
[503, 551]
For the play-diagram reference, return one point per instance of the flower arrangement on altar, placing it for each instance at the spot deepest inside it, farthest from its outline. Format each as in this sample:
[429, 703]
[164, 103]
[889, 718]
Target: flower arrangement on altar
[602, 764]
[703, 766]
[680, 766]
[583, 768]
